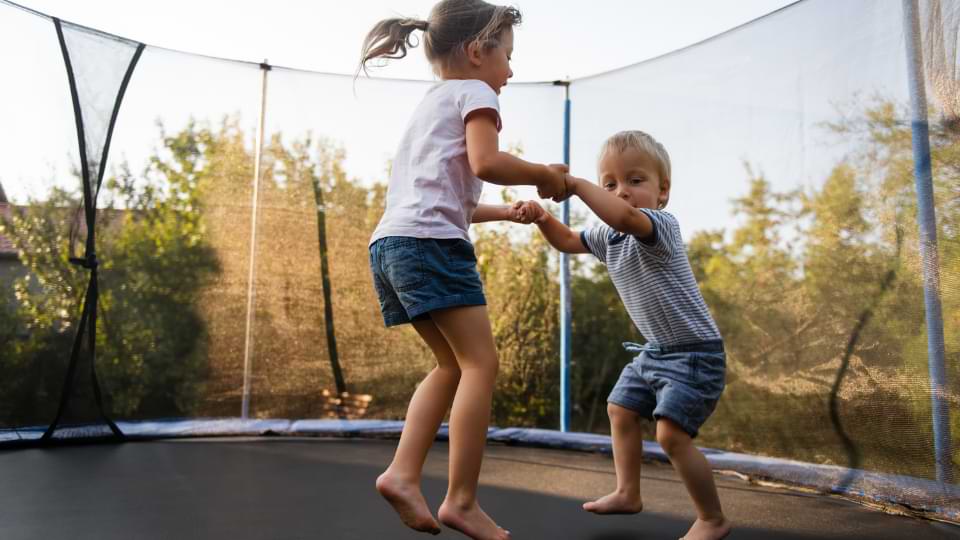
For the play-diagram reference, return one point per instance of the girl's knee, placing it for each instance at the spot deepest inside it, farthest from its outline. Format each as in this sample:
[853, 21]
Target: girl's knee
[486, 366]
[671, 436]
[448, 363]
[449, 370]
[489, 363]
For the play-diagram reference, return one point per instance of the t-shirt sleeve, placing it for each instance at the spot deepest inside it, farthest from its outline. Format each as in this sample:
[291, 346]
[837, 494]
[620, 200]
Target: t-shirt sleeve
[475, 95]
[596, 240]
[665, 241]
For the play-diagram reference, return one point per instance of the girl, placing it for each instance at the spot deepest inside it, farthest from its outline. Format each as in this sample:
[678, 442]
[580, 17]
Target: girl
[423, 263]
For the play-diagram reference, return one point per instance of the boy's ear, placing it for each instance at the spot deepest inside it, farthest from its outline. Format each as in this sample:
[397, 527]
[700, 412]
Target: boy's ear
[664, 196]
[475, 53]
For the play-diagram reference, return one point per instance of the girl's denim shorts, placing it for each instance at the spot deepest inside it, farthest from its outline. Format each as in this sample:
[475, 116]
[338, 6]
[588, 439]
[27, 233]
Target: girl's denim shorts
[680, 382]
[414, 276]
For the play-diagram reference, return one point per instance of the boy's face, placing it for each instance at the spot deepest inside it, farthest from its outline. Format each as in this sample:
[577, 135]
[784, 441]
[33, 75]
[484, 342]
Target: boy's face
[632, 175]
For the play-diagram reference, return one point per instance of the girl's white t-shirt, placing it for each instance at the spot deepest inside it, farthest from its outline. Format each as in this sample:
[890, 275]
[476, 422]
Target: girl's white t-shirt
[432, 191]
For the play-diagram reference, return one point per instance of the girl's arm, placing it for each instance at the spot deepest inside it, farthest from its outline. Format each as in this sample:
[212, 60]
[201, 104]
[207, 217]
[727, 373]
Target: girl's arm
[490, 164]
[558, 235]
[614, 211]
[495, 212]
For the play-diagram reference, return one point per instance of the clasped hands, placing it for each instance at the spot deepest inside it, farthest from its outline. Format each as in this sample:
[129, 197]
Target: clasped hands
[558, 185]
[558, 188]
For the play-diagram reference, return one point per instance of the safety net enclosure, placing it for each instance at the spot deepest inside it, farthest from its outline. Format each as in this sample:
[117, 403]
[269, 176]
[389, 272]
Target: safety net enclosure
[183, 245]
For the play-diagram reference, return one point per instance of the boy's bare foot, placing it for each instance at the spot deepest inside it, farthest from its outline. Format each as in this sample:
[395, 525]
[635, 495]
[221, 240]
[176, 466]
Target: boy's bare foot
[615, 503]
[408, 502]
[708, 529]
[471, 521]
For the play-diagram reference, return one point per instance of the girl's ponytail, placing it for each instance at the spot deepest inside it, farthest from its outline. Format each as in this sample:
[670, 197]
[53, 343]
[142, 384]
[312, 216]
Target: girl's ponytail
[452, 26]
[390, 39]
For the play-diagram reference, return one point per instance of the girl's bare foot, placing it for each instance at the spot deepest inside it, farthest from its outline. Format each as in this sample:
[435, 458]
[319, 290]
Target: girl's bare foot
[472, 521]
[708, 529]
[407, 500]
[615, 503]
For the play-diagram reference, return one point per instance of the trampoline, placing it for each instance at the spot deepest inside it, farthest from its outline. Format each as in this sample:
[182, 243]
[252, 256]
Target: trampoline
[162, 325]
[298, 488]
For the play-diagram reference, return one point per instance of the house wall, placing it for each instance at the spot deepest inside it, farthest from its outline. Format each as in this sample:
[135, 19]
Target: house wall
[10, 269]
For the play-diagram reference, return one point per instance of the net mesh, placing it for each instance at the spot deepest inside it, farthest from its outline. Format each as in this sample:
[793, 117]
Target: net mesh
[793, 182]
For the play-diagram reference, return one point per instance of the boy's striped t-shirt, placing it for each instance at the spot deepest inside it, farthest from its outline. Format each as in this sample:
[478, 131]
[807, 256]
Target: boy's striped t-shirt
[654, 280]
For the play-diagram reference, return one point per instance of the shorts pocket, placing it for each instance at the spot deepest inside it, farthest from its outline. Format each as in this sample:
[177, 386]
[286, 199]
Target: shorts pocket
[711, 369]
[403, 263]
[677, 367]
[459, 253]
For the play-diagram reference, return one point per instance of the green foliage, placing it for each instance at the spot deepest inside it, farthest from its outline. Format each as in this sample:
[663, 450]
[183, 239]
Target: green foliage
[600, 326]
[524, 307]
[150, 354]
[767, 317]
[156, 261]
[849, 277]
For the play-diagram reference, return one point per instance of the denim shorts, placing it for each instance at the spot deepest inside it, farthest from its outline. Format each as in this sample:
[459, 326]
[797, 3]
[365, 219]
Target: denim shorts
[414, 276]
[680, 382]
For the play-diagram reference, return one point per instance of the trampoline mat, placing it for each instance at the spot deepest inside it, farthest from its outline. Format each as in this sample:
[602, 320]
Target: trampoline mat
[300, 488]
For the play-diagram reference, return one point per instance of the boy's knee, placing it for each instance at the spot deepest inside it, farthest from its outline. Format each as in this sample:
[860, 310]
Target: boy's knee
[621, 415]
[671, 437]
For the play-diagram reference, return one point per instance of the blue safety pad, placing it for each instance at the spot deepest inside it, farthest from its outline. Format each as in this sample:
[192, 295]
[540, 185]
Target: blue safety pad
[916, 493]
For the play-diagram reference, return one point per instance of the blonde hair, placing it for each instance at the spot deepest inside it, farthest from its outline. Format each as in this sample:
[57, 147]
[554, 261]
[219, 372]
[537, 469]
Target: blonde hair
[643, 142]
[452, 26]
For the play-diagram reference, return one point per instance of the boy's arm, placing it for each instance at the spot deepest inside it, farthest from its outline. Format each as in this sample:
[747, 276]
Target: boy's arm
[557, 234]
[560, 236]
[494, 212]
[614, 211]
[490, 164]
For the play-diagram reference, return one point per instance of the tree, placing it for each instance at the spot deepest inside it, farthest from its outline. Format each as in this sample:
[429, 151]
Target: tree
[819, 298]
[150, 346]
[600, 326]
[754, 276]
[524, 306]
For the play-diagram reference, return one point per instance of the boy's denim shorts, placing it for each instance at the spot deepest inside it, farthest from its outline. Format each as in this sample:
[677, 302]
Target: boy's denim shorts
[414, 276]
[680, 382]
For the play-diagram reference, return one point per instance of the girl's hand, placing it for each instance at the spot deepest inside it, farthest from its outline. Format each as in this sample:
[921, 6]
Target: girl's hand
[516, 214]
[569, 188]
[554, 184]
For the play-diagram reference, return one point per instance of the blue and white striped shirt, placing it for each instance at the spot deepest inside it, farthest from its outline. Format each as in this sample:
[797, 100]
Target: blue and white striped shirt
[655, 281]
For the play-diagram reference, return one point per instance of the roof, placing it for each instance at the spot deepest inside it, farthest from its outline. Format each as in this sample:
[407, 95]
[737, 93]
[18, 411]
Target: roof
[6, 245]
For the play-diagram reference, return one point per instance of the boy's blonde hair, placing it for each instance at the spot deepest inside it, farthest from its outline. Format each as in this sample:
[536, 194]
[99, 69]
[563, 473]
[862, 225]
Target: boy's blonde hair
[638, 140]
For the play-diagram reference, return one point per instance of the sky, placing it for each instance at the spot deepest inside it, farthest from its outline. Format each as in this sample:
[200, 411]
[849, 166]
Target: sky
[760, 95]
[558, 38]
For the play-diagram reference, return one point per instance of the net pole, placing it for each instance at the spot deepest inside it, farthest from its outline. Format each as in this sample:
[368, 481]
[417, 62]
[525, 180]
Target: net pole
[252, 272]
[565, 298]
[927, 222]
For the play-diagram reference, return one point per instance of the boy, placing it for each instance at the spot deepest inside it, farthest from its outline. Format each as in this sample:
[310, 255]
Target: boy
[679, 375]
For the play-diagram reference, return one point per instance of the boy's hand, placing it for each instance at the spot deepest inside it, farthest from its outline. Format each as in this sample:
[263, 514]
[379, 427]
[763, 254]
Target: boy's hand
[554, 185]
[529, 212]
[569, 185]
